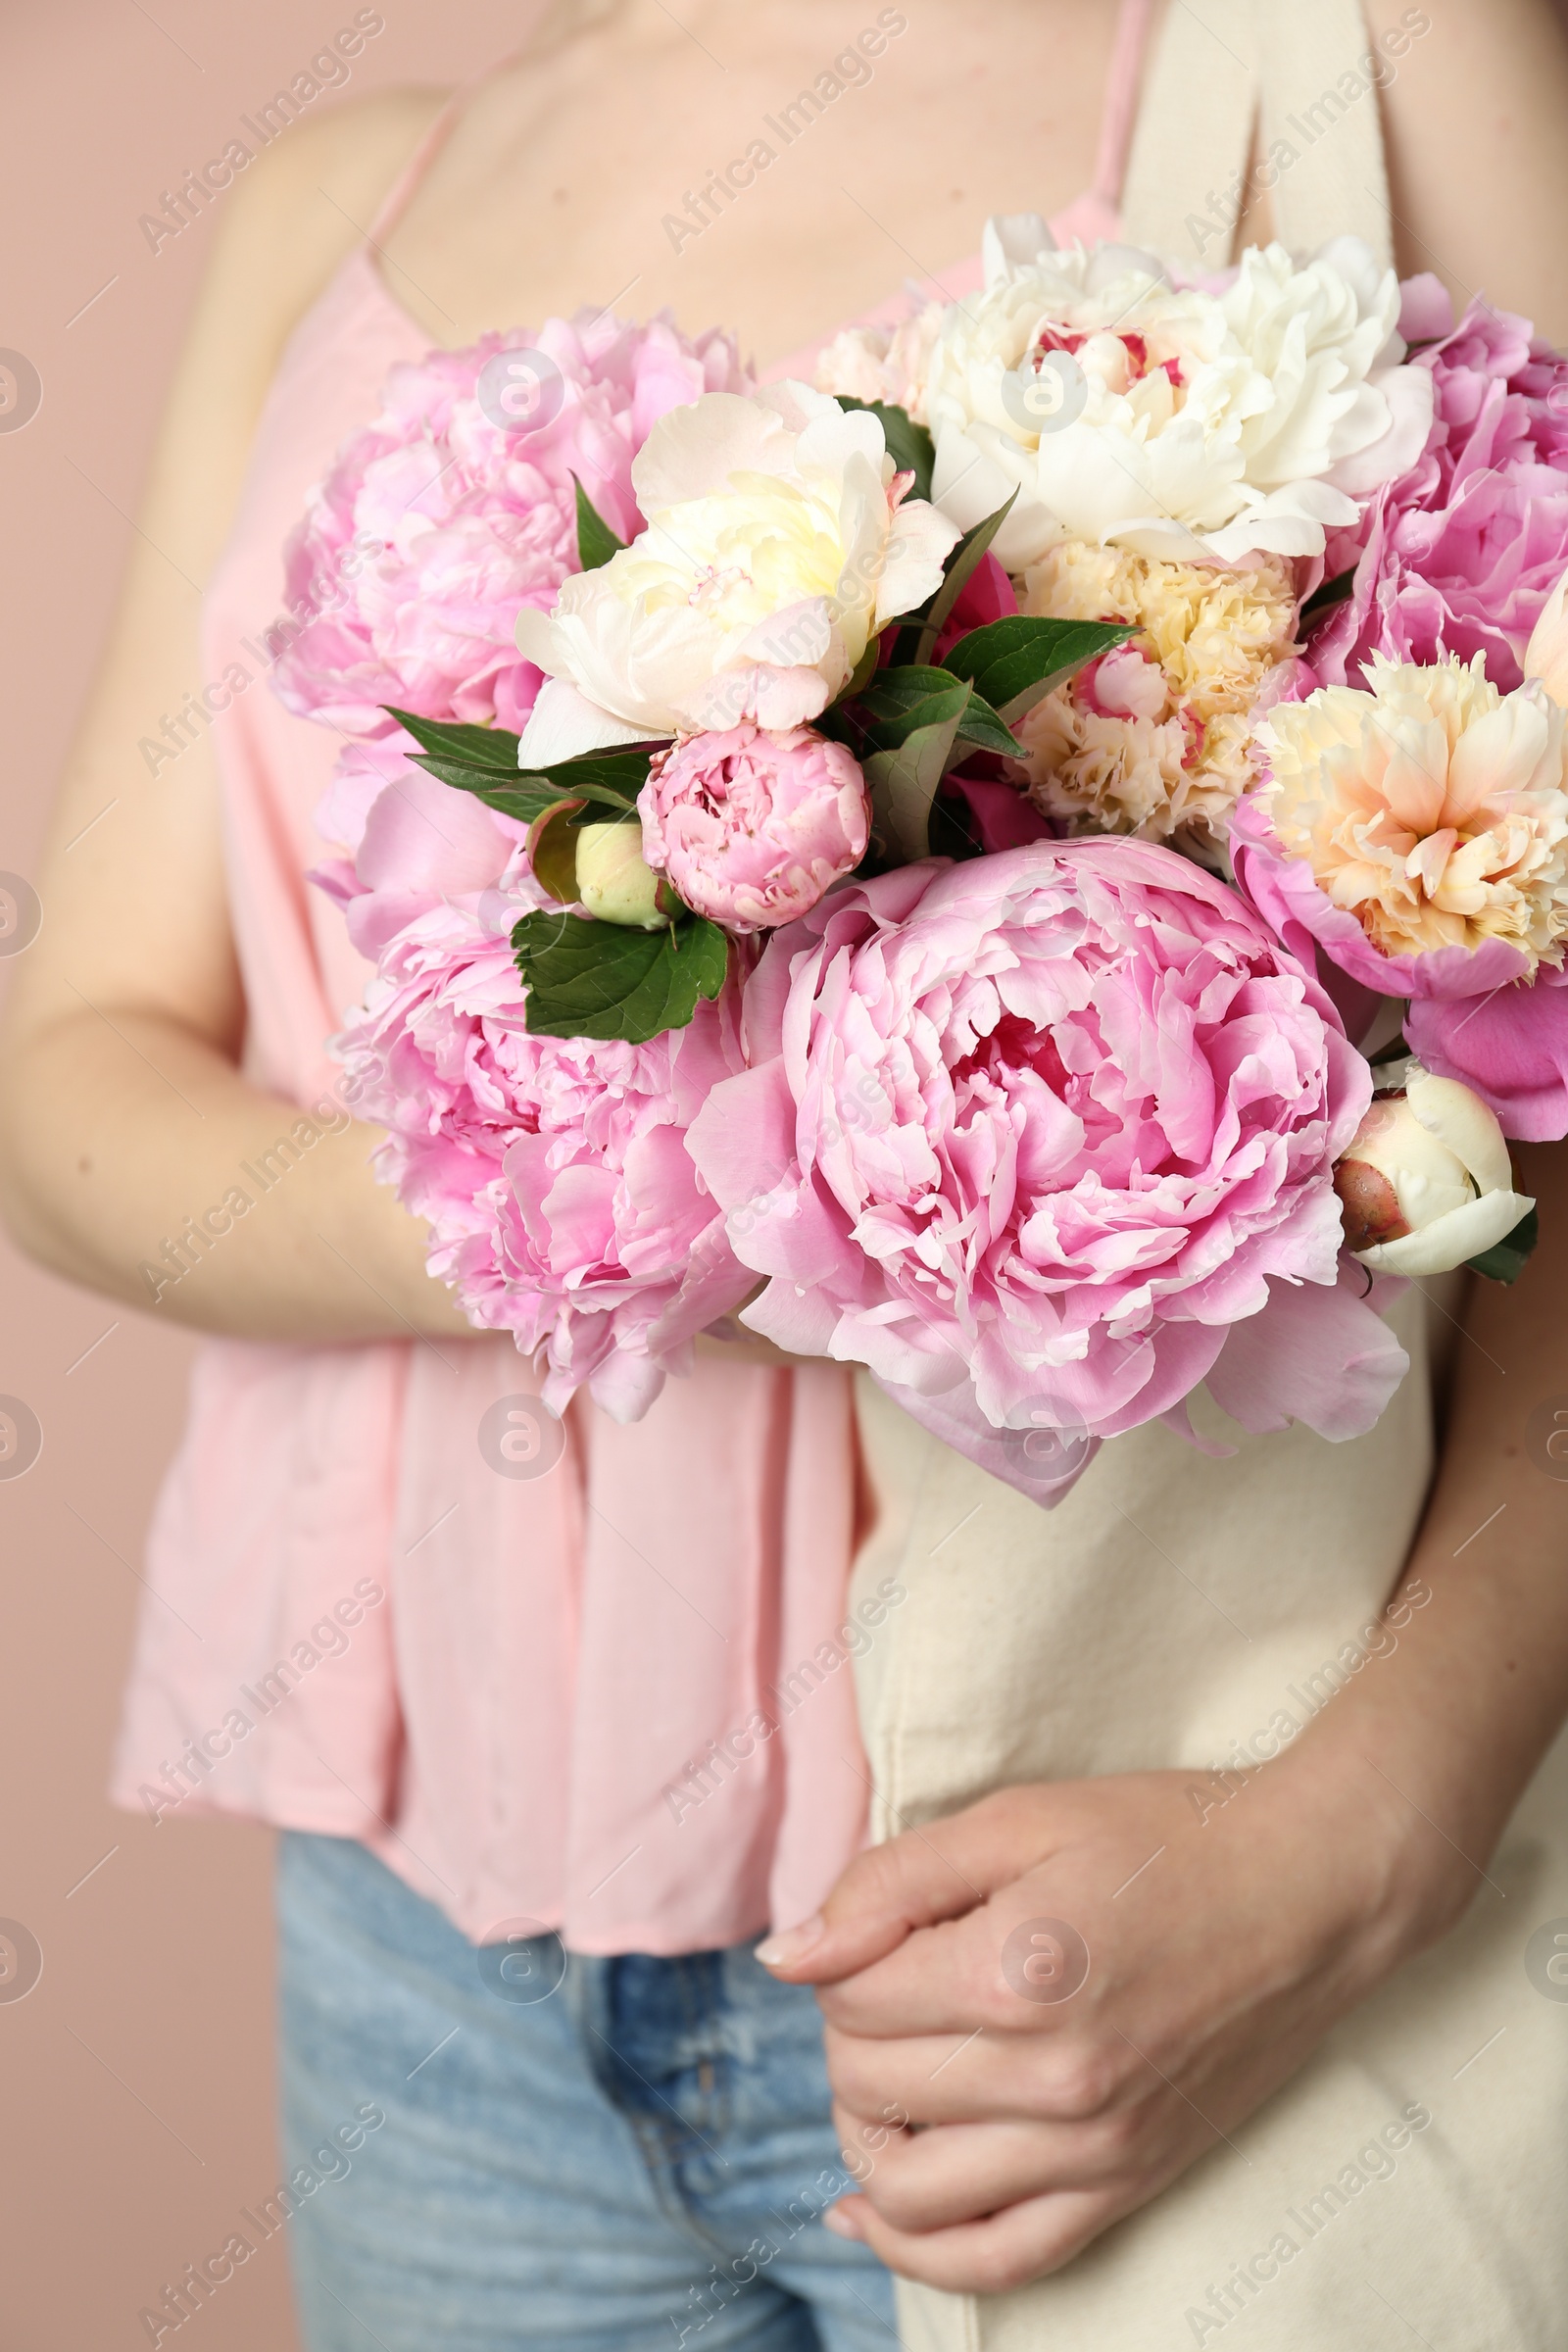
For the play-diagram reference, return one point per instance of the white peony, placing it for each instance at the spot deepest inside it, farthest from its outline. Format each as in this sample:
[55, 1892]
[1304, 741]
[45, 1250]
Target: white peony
[1188, 424]
[779, 542]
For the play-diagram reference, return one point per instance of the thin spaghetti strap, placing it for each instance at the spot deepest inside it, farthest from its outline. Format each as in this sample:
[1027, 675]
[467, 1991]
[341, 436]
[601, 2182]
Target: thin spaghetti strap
[1121, 98]
[396, 200]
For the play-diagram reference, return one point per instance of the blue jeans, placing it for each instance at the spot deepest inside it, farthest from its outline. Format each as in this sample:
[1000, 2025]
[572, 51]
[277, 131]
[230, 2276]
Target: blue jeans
[497, 2146]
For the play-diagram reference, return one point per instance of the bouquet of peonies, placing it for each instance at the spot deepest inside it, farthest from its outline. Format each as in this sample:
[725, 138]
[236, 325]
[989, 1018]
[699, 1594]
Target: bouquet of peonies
[1037, 863]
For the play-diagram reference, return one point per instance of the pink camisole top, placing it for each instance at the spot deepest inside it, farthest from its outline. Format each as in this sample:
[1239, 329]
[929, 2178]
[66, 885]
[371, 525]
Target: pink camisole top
[613, 1698]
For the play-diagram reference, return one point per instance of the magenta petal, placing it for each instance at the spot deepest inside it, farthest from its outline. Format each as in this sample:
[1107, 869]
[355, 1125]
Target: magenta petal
[1004, 818]
[986, 595]
[1510, 1048]
[1460, 554]
[1318, 1355]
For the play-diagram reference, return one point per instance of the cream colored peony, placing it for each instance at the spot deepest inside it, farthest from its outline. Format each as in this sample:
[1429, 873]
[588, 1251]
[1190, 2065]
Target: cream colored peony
[1426, 1184]
[1432, 808]
[779, 542]
[882, 363]
[1210, 426]
[1157, 739]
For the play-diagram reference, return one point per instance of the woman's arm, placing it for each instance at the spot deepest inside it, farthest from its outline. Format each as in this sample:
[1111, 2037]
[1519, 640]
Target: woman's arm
[1268, 1918]
[122, 1112]
[1477, 132]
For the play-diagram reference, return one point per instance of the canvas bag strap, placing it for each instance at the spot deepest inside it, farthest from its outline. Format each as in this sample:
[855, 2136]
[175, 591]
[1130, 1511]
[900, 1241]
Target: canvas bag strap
[1302, 74]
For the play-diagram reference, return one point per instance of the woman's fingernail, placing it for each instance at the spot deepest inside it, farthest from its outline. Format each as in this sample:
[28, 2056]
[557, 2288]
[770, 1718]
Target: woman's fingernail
[843, 2221]
[791, 1943]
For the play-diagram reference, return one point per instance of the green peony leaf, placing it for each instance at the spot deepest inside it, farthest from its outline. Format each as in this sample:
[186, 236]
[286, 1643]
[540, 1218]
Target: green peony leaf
[904, 780]
[1507, 1259]
[525, 797]
[897, 701]
[483, 761]
[600, 980]
[484, 748]
[613, 777]
[596, 541]
[1323, 600]
[1016, 661]
[989, 731]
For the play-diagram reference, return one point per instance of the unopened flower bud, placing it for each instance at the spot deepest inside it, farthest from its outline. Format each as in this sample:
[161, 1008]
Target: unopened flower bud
[1426, 1185]
[616, 883]
[1123, 684]
[753, 825]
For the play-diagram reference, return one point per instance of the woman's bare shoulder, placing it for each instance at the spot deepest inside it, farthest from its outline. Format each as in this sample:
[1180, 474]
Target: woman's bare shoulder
[312, 195]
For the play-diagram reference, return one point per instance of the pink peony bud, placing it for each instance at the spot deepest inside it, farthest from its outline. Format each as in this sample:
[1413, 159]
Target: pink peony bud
[1123, 684]
[753, 826]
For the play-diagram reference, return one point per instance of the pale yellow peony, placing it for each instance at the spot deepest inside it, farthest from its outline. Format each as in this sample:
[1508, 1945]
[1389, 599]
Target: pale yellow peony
[1161, 746]
[779, 543]
[1432, 808]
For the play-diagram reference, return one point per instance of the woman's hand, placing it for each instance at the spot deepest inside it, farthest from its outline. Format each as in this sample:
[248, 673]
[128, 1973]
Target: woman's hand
[999, 2112]
[1042, 2009]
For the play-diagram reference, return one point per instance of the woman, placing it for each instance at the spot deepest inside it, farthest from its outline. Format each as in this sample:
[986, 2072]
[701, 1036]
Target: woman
[1151, 2000]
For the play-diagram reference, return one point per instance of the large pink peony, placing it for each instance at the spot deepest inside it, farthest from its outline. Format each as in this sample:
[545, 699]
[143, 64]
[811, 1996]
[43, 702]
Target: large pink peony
[553, 1172]
[1460, 554]
[753, 826]
[456, 510]
[1046, 1140]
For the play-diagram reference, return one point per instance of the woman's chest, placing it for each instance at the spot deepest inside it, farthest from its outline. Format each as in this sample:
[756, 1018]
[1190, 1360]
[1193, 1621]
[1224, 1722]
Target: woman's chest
[778, 189]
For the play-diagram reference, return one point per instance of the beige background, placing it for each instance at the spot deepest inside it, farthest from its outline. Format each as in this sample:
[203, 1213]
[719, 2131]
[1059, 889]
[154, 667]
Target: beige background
[136, 2079]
